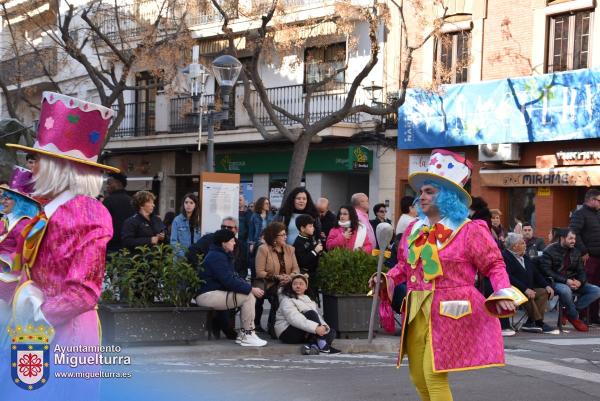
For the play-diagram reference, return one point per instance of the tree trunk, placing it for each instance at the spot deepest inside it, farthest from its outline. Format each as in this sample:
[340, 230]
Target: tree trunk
[298, 162]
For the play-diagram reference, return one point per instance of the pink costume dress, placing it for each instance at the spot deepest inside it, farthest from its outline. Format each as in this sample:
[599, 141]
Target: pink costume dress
[69, 268]
[464, 334]
[61, 288]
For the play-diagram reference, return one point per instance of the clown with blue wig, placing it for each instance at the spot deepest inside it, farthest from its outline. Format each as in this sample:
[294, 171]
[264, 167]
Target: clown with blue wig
[448, 325]
[18, 208]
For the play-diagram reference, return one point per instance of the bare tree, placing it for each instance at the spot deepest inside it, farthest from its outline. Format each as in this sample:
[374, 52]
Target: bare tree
[276, 33]
[113, 41]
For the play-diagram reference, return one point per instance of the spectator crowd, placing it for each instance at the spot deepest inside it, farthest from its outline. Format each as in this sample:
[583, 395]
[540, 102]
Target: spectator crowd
[268, 254]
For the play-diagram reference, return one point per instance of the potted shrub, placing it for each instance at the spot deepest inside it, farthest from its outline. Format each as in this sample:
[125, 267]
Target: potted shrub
[343, 277]
[147, 298]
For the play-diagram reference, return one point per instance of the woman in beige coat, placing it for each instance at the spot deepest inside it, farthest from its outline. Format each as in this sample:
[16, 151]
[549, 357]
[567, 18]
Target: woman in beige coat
[275, 263]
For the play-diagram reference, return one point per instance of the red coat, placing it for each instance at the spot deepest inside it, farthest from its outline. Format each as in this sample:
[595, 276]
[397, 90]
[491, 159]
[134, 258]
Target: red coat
[336, 239]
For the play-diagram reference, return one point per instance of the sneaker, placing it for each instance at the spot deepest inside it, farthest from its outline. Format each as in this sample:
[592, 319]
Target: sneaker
[252, 340]
[240, 336]
[531, 328]
[508, 332]
[547, 329]
[309, 349]
[578, 324]
[327, 349]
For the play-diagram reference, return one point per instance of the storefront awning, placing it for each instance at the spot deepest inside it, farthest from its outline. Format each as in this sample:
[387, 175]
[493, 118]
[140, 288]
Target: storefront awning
[548, 107]
[541, 177]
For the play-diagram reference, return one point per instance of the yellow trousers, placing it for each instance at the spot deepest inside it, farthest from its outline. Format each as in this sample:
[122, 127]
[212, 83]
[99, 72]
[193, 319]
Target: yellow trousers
[430, 386]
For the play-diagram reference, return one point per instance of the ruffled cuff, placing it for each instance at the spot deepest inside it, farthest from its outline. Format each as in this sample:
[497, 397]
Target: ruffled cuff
[509, 294]
[386, 286]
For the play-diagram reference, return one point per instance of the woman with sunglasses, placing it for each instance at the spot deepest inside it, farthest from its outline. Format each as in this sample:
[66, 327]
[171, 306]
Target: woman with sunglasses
[349, 232]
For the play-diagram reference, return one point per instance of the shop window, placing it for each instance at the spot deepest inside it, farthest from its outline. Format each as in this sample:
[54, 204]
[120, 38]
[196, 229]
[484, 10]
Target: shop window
[569, 41]
[521, 206]
[321, 62]
[452, 55]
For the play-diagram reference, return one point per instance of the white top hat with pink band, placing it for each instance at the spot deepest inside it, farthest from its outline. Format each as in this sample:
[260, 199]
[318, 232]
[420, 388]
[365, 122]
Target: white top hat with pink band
[447, 169]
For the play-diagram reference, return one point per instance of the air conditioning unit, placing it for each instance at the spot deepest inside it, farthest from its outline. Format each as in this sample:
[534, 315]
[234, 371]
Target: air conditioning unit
[499, 152]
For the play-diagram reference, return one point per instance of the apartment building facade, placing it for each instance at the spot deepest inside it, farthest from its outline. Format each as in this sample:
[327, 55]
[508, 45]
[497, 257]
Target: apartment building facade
[548, 161]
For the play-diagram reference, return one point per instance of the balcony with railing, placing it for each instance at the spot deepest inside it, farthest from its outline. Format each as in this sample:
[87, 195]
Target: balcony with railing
[292, 99]
[139, 120]
[178, 115]
[38, 64]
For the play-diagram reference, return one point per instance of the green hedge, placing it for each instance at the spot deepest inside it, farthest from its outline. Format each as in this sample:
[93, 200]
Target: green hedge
[345, 272]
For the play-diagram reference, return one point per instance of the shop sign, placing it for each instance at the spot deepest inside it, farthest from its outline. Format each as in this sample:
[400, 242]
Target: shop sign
[544, 191]
[578, 158]
[318, 160]
[567, 176]
[417, 163]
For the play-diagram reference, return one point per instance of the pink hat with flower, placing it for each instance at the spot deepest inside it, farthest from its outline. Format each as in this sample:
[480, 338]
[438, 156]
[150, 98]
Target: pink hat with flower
[71, 129]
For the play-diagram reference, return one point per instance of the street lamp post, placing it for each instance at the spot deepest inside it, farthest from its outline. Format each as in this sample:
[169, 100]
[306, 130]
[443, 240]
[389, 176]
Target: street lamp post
[226, 70]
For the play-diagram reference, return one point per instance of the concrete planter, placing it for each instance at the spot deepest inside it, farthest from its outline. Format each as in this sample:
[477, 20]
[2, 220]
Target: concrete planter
[349, 314]
[160, 324]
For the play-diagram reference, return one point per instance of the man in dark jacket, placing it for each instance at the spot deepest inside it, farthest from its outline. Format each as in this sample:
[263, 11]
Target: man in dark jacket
[224, 290]
[524, 275]
[119, 206]
[562, 262]
[585, 223]
[327, 218]
[535, 245]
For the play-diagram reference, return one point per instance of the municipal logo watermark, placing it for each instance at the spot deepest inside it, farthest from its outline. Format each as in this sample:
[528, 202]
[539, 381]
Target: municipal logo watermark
[30, 356]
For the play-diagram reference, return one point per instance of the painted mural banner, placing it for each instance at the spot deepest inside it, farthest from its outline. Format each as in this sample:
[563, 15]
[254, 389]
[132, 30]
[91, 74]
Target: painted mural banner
[548, 107]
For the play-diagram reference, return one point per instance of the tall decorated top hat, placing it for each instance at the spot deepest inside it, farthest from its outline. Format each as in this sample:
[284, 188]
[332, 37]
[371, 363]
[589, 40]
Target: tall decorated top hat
[447, 169]
[20, 183]
[71, 129]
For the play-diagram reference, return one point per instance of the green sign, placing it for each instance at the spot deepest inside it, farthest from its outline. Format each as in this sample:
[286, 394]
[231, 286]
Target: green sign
[339, 159]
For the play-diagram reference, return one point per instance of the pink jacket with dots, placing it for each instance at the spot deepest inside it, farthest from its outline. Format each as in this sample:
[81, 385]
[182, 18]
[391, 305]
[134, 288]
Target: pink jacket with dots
[463, 334]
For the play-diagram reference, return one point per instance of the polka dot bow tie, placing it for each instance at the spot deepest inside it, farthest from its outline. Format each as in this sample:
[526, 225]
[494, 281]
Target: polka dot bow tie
[422, 245]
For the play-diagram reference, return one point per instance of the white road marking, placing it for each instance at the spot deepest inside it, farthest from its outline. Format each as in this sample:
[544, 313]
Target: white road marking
[571, 341]
[550, 367]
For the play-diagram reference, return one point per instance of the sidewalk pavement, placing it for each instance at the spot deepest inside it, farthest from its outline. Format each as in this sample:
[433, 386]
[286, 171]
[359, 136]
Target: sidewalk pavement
[224, 348]
[382, 343]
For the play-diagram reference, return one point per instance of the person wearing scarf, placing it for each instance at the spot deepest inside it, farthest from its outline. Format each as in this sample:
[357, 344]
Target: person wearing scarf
[447, 324]
[348, 232]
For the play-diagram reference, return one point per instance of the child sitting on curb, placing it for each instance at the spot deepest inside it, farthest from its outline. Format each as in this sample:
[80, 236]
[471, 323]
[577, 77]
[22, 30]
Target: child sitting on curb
[298, 320]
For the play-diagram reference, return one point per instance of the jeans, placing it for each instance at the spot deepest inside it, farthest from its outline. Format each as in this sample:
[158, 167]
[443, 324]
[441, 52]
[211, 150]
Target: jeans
[586, 294]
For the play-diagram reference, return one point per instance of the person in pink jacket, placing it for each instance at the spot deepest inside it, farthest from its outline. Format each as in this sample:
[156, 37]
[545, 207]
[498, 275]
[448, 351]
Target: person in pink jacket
[448, 325]
[349, 232]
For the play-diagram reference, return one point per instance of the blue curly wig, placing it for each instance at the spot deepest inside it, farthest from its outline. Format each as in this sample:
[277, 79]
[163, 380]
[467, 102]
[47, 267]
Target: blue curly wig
[449, 203]
[23, 206]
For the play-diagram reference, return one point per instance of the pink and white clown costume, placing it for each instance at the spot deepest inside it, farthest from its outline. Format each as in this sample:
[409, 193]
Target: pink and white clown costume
[22, 209]
[62, 260]
[463, 330]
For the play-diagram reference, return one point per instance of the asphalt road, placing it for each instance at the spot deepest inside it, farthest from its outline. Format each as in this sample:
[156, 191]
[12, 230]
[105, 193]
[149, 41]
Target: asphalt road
[562, 367]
